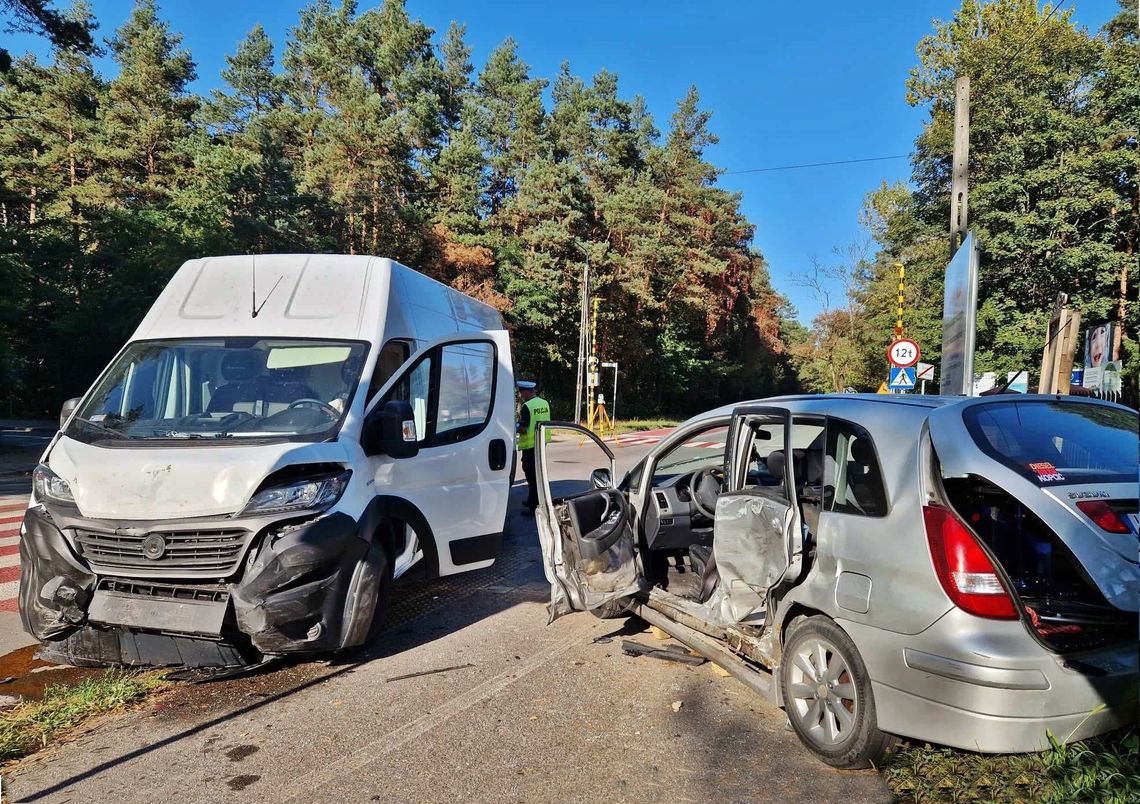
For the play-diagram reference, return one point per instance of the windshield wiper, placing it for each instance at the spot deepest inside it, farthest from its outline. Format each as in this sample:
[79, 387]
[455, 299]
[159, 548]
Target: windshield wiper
[101, 427]
[180, 434]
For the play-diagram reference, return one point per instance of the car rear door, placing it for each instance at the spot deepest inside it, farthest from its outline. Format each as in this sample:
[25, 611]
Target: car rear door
[461, 391]
[585, 532]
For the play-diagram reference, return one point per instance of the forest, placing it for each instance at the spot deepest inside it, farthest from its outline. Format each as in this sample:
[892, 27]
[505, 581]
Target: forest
[368, 132]
[374, 134]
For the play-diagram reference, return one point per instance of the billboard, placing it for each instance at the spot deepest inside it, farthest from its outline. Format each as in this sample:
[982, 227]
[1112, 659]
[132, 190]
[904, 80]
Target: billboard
[1101, 365]
[960, 320]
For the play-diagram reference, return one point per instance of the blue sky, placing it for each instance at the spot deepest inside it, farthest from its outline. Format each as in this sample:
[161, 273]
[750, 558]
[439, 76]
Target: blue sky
[788, 83]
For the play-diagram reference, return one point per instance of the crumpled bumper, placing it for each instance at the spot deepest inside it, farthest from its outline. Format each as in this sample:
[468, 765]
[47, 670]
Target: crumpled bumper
[290, 598]
[55, 585]
[292, 595]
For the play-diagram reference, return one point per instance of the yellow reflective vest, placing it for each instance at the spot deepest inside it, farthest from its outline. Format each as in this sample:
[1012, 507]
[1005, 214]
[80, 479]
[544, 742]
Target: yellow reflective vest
[538, 411]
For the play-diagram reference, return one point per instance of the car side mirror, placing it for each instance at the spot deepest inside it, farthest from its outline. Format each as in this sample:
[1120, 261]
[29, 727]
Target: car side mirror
[68, 408]
[391, 431]
[601, 479]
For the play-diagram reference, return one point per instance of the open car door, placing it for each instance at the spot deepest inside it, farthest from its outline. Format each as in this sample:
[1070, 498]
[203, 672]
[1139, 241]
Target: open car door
[585, 526]
[758, 538]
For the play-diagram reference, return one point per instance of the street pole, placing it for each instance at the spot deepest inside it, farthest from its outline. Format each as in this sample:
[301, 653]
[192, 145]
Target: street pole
[583, 322]
[959, 186]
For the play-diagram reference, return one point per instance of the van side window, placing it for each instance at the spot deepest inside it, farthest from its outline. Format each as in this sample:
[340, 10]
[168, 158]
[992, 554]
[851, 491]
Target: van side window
[451, 390]
[391, 357]
[415, 389]
[853, 480]
[467, 375]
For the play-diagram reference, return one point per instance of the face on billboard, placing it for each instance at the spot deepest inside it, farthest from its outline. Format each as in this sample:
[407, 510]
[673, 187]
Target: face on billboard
[1098, 348]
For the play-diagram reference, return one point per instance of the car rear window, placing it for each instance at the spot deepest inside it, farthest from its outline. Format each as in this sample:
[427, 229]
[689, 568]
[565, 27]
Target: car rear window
[1057, 443]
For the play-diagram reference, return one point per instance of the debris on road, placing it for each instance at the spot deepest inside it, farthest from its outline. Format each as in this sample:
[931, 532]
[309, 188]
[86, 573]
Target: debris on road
[670, 653]
[430, 672]
[677, 705]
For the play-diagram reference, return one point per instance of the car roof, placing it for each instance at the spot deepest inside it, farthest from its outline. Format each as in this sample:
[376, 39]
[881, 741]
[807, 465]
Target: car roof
[920, 405]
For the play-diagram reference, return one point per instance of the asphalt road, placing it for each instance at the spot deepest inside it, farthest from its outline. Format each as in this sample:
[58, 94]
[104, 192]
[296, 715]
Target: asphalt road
[518, 710]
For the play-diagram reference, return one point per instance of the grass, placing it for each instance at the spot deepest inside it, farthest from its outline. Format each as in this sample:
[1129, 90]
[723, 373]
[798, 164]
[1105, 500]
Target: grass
[1101, 769]
[638, 425]
[29, 726]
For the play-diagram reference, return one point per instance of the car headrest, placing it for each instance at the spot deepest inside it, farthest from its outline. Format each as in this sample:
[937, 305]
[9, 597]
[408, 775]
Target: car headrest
[776, 464]
[240, 365]
[812, 472]
[862, 452]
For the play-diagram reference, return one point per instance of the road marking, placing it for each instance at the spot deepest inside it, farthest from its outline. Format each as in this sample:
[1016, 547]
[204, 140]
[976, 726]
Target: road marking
[397, 738]
[11, 515]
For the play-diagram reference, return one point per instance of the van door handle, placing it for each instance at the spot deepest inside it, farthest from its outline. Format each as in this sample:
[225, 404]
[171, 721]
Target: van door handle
[497, 454]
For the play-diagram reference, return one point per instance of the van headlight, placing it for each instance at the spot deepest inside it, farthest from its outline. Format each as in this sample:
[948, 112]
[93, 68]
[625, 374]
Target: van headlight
[316, 494]
[50, 486]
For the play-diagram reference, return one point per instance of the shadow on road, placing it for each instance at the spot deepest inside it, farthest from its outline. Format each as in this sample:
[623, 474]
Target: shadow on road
[516, 577]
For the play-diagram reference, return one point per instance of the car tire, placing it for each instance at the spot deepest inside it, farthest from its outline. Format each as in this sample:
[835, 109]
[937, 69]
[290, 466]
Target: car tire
[613, 609]
[833, 711]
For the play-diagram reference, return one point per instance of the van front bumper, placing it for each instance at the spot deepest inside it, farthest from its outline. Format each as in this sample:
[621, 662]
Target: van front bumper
[988, 686]
[288, 596]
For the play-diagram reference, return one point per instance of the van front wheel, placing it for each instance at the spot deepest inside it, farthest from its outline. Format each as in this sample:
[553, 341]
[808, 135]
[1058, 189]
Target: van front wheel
[827, 695]
[383, 594]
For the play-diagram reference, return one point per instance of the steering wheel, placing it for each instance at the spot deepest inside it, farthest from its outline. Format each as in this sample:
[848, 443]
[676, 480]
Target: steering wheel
[308, 402]
[706, 486]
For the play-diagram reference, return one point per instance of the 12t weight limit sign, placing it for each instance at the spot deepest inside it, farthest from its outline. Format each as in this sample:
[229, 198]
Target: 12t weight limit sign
[903, 353]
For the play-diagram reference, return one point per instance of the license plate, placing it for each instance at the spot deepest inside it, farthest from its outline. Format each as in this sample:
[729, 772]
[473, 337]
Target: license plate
[158, 614]
[1134, 519]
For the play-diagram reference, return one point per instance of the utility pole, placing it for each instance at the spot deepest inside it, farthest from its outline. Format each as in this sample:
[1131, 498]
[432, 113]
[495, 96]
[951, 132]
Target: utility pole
[583, 342]
[959, 185]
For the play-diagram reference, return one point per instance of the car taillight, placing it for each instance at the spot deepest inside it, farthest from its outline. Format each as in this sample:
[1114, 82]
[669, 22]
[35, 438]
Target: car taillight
[1102, 514]
[963, 568]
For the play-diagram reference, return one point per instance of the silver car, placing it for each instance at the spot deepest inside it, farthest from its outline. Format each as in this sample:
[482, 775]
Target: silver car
[953, 570]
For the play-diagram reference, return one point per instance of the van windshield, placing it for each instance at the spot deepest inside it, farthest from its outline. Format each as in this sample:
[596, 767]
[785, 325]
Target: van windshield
[209, 388]
[1057, 443]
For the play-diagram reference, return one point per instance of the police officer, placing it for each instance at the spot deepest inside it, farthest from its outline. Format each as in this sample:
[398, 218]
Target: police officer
[535, 409]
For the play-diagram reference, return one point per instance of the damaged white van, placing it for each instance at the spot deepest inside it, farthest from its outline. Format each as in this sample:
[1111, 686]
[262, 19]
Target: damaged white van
[282, 436]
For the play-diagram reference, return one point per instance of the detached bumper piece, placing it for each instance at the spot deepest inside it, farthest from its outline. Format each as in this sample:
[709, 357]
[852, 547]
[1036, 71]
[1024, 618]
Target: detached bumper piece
[291, 598]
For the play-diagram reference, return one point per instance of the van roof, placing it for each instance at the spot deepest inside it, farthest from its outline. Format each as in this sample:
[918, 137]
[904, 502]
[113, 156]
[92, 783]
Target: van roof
[303, 295]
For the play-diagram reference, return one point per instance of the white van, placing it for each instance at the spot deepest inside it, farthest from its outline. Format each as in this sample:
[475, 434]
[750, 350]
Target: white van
[282, 436]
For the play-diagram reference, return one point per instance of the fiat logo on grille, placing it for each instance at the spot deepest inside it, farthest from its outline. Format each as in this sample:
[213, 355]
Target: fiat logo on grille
[154, 546]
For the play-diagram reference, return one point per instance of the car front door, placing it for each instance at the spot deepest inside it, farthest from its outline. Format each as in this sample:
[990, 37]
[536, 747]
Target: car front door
[454, 491]
[585, 527]
[758, 538]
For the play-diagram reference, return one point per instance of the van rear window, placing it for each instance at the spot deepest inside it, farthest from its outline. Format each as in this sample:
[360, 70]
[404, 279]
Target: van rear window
[1057, 443]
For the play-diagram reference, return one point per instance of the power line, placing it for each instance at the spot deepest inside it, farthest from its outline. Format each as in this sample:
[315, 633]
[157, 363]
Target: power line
[1032, 35]
[816, 164]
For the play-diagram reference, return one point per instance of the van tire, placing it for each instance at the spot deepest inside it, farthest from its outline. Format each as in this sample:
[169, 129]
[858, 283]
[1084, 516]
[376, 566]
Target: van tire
[383, 595]
[863, 744]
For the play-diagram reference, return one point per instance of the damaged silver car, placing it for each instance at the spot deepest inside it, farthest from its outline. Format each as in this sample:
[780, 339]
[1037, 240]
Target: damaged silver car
[953, 570]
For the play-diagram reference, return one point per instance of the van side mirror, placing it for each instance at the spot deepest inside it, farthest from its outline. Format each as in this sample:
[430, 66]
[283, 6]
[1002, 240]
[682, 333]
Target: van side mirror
[391, 431]
[601, 479]
[68, 408]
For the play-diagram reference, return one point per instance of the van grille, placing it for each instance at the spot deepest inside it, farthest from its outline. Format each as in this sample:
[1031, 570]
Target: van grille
[212, 553]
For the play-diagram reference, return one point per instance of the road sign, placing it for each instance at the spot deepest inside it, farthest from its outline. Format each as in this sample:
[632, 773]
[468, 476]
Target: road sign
[925, 371]
[902, 379]
[903, 353]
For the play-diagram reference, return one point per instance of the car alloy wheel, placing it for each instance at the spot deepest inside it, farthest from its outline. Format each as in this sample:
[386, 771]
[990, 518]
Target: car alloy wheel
[824, 699]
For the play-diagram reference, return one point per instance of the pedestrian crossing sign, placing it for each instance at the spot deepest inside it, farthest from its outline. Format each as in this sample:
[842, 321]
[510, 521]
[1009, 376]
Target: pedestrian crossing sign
[902, 379]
